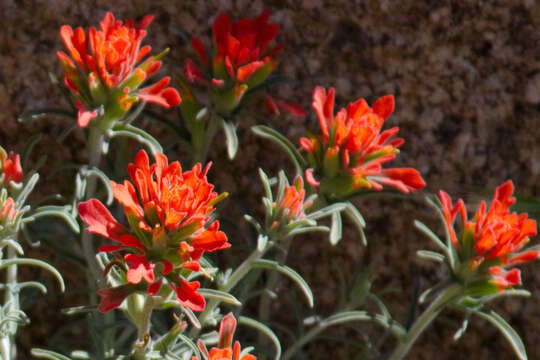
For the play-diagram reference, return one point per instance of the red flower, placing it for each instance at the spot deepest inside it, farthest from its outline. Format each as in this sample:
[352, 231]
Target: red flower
[106, 64]
[352, 149]
[492, 238]
[224, 351]
[242, 45]
[292, 204]
[170, 227]
[113, 297]
[8, 211]
[11, 167]
[243, 59]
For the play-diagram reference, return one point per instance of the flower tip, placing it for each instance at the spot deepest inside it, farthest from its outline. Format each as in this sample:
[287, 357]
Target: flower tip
[310, 178]
[384, 106]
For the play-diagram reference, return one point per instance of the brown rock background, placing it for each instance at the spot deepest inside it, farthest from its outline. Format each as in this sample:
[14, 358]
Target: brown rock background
[466, 76]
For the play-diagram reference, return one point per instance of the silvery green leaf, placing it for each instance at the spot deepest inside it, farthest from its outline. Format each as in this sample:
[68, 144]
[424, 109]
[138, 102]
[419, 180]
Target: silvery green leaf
[243, 320]
[509, 333]
[430, 255]
[137, 134]
[293, 275]
[430, 234]
[35, 262]
[64, 212]
[230, 137]
[219, 295]
[273, 135]
[335, 228]
[48, 354]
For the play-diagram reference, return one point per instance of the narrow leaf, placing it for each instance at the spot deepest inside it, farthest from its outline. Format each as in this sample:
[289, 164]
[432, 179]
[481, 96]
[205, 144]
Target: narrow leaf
[325, 211]
[430, 255]
[509, 333]
[430, 234]
[266, 185]
[39, 113]
[139, 135]
[47, 354]
[231, 138]
[100, 175]
[190, 344]
[293, 275]
[354, 215]
[63, 212]
[335, 228]
[347, 316]
[30, 144]
[27, 189]
[35, 262]
[243, 320]
[273, 135]
[219, 295]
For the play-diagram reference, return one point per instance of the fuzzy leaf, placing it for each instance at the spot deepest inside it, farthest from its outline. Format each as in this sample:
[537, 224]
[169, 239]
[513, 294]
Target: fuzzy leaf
[63, 212]
[137, 134]
[509, 333]
[243, 320]
[273, 135]
[293, 275]
[220, 296]
[47, 354]
[231, 138]
[335, 228]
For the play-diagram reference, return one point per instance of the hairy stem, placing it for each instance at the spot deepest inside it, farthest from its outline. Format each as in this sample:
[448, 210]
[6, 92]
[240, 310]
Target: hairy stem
[7, 343]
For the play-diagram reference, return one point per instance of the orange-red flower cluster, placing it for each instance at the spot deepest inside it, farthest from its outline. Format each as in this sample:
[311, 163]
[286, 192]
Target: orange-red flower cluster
[170, 227]
[243, 59]
[105, 71]
[491, 240]
[352, 149]
[10, 167]
[224, 351]
[8, 211]
[291, 206]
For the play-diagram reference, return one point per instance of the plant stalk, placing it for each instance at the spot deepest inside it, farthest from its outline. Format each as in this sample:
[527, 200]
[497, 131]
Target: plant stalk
[446, 296]
[94, 276]
[7, 343]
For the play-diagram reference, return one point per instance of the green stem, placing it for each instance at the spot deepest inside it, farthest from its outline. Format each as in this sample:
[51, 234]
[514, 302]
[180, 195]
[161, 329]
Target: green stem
[446, 296]
[93, 275]
[143, 323]
[95, 279]
[234, 279]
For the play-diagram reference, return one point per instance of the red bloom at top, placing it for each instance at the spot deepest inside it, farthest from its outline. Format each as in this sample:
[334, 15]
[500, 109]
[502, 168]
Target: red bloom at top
[11, 167]
[350, 153]
[106, 63]
[170, 227]
[224, 351]
[242, 45]
[292, 205]
[243, 59]
[492, 238]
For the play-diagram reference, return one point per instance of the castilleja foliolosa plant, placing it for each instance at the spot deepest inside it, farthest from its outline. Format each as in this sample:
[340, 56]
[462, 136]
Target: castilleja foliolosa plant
[151, 243]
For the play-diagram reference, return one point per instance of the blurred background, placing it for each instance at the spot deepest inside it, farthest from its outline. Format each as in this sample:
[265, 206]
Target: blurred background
[466, 78]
